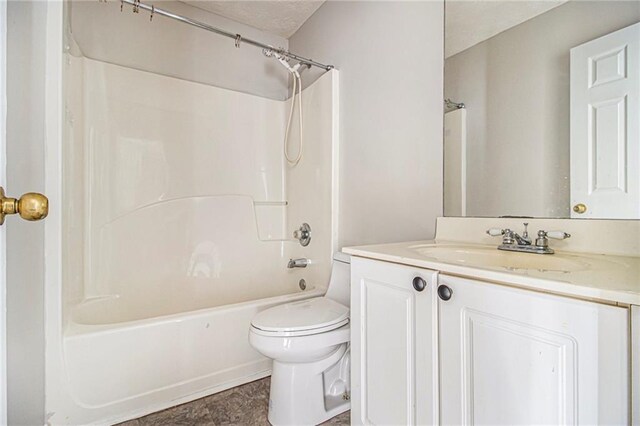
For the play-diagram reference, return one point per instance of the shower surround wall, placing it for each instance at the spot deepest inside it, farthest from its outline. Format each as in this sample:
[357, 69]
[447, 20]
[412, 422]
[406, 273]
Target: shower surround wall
[178, 230]
[181, 166]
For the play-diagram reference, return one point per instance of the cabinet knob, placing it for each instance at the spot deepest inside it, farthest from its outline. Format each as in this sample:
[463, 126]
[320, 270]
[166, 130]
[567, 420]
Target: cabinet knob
[419, 283]
[445, 292]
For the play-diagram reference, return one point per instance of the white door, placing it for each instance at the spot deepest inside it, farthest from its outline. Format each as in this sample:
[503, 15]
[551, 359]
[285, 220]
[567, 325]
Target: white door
[515, 357]
[23, 83]
[3, 257]
[393, 341]
[605, 126]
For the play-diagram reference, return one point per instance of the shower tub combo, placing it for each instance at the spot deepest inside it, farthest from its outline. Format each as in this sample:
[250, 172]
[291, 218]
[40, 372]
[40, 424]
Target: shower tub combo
[178, 231]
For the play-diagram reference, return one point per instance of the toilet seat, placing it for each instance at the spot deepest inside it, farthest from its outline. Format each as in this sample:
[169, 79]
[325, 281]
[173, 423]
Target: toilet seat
[301, 318]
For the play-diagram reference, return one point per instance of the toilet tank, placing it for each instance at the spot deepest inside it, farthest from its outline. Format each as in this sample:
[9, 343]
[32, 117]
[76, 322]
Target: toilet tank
[340, 282]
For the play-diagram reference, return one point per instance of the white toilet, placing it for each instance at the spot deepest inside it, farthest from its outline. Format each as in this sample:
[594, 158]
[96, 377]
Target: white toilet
[308, 341]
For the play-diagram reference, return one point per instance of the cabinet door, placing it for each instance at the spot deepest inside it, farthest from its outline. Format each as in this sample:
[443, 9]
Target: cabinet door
[393, 344]
[511, 356]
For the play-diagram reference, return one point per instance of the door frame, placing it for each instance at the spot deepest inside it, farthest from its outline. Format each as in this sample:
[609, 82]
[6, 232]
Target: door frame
[55, 51]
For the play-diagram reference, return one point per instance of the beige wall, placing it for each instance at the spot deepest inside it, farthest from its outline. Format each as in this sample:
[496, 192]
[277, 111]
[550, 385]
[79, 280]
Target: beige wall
[516, 90]
[25, 172]
[172, 48]
[390, 59]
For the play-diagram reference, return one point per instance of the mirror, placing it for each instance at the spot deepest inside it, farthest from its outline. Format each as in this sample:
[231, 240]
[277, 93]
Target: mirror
[543, 109]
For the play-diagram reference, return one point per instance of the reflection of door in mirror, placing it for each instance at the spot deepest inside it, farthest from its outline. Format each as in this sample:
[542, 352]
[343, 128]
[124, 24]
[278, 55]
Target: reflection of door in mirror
[455, 158]
[605, 130]
[509, 62]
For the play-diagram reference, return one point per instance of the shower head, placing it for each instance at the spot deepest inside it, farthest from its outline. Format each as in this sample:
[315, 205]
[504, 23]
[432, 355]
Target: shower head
[280, 55]
[292, 69]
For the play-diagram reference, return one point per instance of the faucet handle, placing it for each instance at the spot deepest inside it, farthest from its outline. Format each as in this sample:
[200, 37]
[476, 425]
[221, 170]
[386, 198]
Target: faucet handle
[542, 240]
[303, 234]
[495, 232]
[508, 236]
[558, 235]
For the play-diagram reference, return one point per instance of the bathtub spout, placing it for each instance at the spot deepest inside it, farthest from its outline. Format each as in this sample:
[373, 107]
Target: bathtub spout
[298, 263]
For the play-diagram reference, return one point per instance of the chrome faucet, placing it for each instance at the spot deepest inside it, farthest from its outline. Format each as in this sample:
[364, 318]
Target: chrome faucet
[298, 263]
[511, 241]
[523, 240]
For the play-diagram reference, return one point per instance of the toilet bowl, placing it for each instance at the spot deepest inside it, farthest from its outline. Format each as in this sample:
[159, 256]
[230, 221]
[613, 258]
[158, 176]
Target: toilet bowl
[308, 341]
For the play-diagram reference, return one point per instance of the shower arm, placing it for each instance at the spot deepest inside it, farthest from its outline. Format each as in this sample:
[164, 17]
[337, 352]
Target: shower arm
[137, 5]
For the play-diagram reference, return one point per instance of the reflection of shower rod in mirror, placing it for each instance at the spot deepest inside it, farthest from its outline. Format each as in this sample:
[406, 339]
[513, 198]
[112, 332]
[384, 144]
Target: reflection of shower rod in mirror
[450, 105]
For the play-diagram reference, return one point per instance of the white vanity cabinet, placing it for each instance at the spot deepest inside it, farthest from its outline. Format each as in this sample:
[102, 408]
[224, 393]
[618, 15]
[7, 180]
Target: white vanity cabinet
[465, 351]
[513, 356]
[393, 345]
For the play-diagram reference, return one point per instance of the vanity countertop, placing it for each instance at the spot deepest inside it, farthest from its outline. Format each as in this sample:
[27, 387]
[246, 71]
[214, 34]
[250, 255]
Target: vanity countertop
[607, 278]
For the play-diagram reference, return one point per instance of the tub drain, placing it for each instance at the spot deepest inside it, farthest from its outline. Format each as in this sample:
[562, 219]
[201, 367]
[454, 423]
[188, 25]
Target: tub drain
[302, 284]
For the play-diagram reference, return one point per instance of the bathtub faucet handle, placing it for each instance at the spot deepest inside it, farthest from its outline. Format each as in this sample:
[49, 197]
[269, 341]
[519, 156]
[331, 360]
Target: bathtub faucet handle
[303, 234]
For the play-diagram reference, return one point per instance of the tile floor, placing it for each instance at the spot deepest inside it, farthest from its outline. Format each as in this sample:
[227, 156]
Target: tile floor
[244, 405]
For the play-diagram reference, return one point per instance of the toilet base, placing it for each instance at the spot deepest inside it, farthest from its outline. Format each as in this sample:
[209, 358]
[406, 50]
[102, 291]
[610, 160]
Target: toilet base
[310, 393]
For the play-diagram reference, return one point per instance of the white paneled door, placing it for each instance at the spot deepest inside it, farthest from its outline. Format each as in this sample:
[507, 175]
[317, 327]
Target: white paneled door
[605, 126]
[394, 379]
[28, 40]
[3, 251]
[517, 357]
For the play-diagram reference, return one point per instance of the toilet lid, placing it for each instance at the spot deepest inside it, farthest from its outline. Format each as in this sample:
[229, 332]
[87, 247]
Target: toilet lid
[304, 315]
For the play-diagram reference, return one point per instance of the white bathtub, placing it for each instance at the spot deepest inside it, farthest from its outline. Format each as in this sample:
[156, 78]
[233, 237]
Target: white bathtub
[120, 370]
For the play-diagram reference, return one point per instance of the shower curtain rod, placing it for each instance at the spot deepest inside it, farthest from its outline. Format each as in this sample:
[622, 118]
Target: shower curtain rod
[137, 5]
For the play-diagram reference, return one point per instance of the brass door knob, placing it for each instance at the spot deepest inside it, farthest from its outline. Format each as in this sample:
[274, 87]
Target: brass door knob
[31, 206]
[580, 208]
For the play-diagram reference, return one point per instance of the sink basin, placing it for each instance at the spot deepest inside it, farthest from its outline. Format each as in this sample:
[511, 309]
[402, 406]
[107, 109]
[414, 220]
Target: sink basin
[491, 257]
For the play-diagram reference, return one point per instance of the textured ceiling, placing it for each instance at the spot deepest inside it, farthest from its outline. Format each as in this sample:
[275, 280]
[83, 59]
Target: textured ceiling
[468, 22]
[282, 17]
